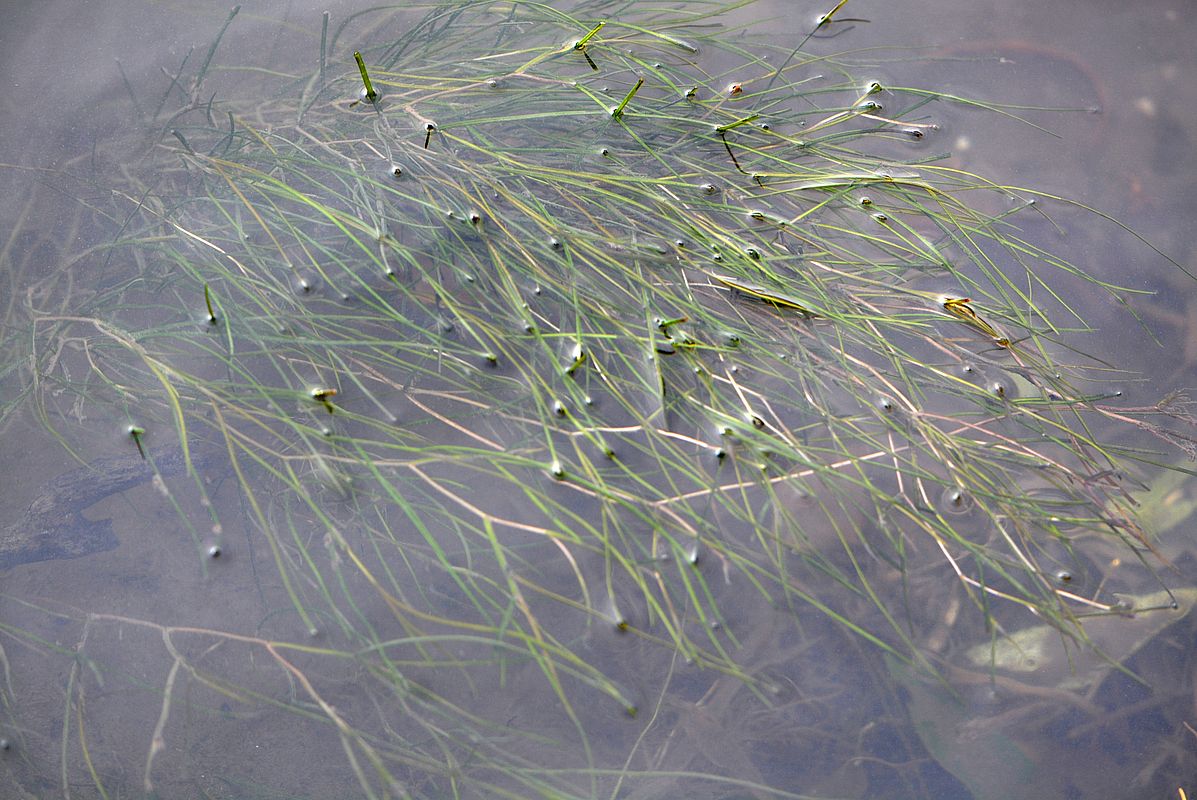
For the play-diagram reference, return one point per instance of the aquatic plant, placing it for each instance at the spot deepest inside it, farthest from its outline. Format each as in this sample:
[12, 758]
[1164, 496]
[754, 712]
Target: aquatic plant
[577, 372]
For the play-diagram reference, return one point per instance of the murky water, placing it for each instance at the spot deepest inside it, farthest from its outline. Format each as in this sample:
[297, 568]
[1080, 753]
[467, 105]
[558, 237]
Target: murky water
[177, 661]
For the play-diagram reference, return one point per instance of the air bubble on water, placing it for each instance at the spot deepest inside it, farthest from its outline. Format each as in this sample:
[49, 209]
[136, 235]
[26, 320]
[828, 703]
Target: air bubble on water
[1002, 388]
[305, 285]
[955, 501]
[577, 356]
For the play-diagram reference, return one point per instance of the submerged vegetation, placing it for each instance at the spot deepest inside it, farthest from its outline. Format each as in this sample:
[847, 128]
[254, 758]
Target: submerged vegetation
[617, 402]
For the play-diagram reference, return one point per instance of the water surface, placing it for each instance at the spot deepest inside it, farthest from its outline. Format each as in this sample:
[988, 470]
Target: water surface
[196, 674]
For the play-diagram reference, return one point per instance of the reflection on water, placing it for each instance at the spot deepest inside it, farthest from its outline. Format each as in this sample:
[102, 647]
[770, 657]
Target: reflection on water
[521, 475]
